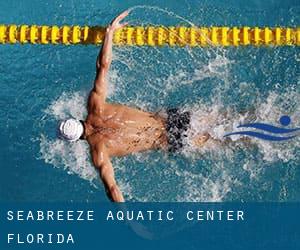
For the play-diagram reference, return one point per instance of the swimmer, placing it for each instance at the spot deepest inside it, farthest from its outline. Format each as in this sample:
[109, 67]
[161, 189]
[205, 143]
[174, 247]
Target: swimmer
[114, 130]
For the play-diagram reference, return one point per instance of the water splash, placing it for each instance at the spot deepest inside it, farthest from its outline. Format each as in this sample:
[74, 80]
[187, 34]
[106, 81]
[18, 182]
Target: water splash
[192, 185]
[74, 158]
[215, 85]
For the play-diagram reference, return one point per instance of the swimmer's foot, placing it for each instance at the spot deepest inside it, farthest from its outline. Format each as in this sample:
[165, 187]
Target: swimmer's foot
[200, 140]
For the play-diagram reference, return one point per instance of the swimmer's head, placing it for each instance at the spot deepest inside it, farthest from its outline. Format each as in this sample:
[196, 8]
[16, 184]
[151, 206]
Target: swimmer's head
[70, 130]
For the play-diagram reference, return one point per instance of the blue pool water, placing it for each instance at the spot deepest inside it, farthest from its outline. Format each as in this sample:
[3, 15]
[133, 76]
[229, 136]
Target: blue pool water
[42, 84]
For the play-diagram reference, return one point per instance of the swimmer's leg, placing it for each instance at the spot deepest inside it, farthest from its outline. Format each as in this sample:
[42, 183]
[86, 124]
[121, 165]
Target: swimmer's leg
[200, 140]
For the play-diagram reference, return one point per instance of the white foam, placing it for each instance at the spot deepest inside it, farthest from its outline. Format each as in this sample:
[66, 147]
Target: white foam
[72, 157]
[216, 121]
[214, 118]
[174, 182]
[271, 110]
[200, 188]
[68, 105]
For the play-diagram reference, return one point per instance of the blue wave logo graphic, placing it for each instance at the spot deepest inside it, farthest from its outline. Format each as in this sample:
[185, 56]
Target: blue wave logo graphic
[281, 133]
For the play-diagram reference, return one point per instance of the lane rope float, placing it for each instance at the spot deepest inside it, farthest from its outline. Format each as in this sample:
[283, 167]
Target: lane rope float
[152, 35]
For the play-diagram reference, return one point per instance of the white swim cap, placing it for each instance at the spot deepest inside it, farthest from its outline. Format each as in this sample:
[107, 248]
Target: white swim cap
[70, 130]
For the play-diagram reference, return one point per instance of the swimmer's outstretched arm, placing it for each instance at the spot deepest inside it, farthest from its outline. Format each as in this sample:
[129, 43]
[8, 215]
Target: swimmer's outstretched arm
[103, 164]
[105, 56]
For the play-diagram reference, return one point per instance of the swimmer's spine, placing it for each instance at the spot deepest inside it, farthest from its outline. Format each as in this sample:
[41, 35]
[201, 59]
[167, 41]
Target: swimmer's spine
[152, 36]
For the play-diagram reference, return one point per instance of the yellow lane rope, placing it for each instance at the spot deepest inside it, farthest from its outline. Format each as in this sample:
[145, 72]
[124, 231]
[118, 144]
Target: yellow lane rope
[152, 35]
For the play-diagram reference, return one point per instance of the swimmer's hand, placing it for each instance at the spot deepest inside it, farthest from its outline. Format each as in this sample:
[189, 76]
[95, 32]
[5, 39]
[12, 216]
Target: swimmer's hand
[115, 24]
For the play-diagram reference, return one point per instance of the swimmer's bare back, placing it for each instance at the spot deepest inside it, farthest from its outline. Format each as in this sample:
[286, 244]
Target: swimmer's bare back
[113, 129]
[123, 130]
